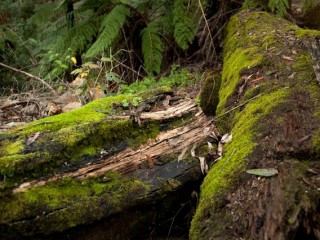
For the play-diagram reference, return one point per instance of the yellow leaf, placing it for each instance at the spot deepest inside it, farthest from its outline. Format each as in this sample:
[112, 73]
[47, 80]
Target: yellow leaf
[74, 60]
[83, 74]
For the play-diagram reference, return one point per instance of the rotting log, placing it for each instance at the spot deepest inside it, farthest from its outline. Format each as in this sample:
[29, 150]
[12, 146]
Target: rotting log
[270, 65]
[102, 159]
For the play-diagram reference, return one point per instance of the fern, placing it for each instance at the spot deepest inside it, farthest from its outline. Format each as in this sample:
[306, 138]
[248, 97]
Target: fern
[152, 47]
[109, 30]
[279, 7]
[186, 18]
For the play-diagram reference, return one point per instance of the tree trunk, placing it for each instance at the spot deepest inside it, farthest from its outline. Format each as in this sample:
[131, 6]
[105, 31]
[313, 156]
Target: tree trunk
[104, 158]
[270, 80]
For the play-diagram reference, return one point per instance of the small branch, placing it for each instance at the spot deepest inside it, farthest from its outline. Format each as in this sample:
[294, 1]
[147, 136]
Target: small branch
[32, 76]
[234, 108]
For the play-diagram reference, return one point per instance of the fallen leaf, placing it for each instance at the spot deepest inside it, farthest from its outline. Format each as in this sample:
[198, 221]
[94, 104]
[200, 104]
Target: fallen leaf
[180, 157]
[226, 138]
[33, 138]
[150, 161]
[287, 58]
[220, 149]
[71, 106]
[210, 146]
[203, 165]
[264, 172]
[193, 153]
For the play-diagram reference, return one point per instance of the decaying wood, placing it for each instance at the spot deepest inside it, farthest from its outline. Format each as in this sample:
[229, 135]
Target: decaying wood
[152, 169]
[128, 160]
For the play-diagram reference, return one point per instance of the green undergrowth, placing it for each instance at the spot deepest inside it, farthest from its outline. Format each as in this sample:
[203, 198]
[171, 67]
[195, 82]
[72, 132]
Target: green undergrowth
[69, 202]
[177, 78]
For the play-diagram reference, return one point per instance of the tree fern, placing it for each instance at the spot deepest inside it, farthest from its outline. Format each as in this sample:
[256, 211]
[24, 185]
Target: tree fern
[186, 16]
[279, 7]
[109, 30]
[152, 47]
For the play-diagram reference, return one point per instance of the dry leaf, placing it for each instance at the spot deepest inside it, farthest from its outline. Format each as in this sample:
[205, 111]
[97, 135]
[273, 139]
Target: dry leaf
[203, 165]
[150, 161]
[214, 136]
[180, 157]
[53, 109]
[96, 93]
[226, 138]
[287, 58]
[220, 149]
[77, 82]
[193, 153]
[71, 106]
[33, 138]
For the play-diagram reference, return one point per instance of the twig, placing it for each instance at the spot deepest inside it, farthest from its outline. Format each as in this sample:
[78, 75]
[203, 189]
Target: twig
[234, 108]
[32, 76]
[207, 25]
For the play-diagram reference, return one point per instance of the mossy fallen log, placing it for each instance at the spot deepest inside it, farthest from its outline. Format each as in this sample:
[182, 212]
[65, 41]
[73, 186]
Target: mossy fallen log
[79, 167]
[269, 101]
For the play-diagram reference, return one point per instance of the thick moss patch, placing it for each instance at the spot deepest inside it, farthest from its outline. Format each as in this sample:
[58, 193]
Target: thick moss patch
[66, 203]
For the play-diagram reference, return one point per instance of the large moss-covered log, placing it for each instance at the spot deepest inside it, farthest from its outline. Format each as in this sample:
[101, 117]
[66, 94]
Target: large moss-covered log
[104, 158]
[269, 101]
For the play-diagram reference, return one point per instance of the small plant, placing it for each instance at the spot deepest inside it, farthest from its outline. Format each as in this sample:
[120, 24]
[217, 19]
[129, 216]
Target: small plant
[99, 75]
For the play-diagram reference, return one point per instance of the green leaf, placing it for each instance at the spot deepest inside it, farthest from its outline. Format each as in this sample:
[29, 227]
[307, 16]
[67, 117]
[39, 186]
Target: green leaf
[106, 59]
[109, 30]
[264, 172]
[113, 77]
[125, 103]
[186, 18]
[76, 71]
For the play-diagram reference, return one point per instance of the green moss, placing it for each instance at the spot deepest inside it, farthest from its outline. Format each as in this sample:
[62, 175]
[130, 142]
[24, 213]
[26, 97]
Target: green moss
[177, 78]
[224, 172]
[303, 33]
[242, 144]
[9, 148]
[9, 165]
[234, 63]
[71, 201]
[209, 95]
[88, 151]
[171, 185]
[92, 112]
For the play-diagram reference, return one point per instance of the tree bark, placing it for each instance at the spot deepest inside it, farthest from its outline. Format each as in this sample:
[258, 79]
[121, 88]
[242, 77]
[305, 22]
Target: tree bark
[269, 102]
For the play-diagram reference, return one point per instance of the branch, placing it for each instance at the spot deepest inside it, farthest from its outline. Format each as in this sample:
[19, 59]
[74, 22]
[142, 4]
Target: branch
[32, 76]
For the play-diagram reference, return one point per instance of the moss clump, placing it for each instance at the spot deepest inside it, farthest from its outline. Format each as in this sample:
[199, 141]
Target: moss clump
[10, 148]
[68, 202]
[209, 95]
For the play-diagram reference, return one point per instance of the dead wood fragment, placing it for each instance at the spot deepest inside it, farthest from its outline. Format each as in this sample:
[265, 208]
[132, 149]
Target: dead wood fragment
[129, 160]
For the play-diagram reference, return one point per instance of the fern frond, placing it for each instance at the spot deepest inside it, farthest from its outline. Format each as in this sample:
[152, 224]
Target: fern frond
[109, 30]
[279, 7]
[152, 48]
[186, 18]
[44, 13]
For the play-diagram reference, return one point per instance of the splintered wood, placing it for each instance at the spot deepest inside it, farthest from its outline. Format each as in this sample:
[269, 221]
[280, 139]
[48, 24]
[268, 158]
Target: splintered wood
[129, 160]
